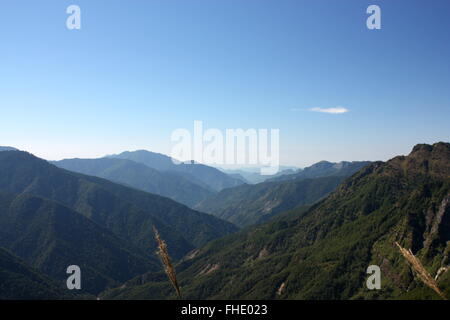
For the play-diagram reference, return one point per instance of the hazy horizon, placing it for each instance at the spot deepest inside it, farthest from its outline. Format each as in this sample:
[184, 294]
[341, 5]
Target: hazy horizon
[225, 167]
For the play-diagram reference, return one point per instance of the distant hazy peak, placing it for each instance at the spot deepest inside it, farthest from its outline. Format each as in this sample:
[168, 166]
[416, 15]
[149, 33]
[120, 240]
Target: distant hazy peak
[8, 149]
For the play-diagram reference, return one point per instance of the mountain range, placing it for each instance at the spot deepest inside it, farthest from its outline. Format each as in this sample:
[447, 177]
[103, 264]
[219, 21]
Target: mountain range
[208, 176]
[170, 184]
[323, 252]
[310, 234]
[51, 216]
[324, 169]
[251, 204]
[253, 176]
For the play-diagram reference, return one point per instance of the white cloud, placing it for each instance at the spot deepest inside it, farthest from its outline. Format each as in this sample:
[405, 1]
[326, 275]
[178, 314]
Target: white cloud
[337, 110]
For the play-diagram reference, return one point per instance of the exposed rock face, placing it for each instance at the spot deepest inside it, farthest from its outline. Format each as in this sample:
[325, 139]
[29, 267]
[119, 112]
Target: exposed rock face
[438, 224]
[263, 253]
[209, 269]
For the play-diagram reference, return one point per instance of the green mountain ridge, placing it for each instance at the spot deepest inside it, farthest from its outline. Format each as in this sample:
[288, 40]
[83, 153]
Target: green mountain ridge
[127, 213]
[168, 184]
[51, 237]
[324, 169]
[324, 252]
[209, 176]
[252, 204]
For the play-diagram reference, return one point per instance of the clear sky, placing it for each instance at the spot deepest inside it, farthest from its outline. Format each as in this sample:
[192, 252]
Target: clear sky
[137, 70]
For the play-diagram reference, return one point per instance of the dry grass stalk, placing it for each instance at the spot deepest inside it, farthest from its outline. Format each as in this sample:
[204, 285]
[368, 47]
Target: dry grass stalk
[281, 289]
[423, 274]
[165, 258]
[440, 272]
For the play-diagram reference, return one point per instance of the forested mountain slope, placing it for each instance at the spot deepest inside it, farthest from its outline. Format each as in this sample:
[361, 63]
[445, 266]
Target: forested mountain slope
[324, 252]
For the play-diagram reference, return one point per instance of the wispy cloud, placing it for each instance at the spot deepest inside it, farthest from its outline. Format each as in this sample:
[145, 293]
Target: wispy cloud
[337, 110]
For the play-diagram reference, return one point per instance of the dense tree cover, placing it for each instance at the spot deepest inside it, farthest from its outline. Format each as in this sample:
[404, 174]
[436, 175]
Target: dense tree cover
[323, 252]
[18, 281]
[251, 204]
[51, 237]
[127, 212]
[52, 218]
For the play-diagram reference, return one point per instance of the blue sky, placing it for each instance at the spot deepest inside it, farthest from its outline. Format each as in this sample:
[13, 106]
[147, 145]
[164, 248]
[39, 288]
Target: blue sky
[137, 70]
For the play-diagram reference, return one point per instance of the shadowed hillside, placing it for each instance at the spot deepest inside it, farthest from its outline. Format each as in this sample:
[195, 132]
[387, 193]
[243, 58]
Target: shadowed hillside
[164, 183]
